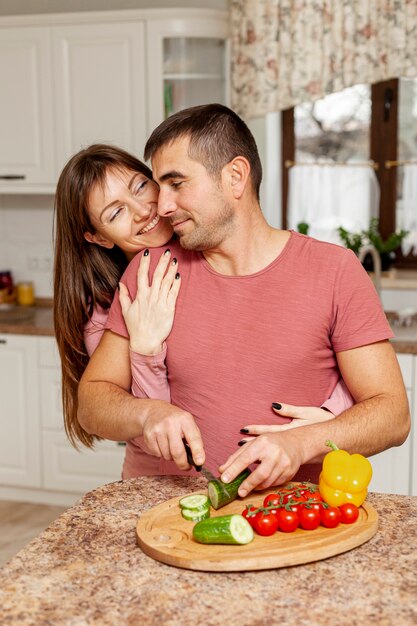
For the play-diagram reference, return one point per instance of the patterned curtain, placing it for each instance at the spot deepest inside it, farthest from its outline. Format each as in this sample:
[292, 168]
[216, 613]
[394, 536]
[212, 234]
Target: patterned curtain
[289, 51]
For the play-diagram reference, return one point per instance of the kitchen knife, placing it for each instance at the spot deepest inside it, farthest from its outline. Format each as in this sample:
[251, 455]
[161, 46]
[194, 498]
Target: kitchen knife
[200, 468]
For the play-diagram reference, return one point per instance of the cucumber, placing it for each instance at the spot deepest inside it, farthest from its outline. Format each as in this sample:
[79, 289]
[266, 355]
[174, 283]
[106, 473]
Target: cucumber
[195, 516]
[221, 494]
[195, 502]
[229, 529]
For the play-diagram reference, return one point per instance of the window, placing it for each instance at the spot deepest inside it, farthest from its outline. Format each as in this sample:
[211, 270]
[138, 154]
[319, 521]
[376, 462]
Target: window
[363, 123]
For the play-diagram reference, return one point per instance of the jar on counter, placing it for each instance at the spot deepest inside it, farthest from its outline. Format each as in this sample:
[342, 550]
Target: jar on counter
[25, 293]
[7, 289]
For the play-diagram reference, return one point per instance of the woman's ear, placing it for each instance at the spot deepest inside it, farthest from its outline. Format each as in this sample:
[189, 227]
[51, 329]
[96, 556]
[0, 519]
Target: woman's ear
[98, 239]
[237, 172]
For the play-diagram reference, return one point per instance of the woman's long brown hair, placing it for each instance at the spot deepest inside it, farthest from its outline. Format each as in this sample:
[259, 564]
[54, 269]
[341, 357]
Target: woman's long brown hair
[85, 274]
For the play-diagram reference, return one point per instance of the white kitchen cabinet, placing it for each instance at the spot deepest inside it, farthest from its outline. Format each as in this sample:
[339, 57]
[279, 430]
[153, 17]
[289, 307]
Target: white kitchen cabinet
[392, 468]
[26, 119]
[99, 82]
[69, 80]
[188, 60]
[19, 412]
[37, 462]
[64, 468]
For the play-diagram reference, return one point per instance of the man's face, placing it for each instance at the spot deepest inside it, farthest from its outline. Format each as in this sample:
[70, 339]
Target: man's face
[195, 204]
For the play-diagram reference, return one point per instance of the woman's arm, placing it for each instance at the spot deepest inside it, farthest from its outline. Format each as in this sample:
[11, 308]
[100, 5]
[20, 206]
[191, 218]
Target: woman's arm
[339, 401]
[149, 318]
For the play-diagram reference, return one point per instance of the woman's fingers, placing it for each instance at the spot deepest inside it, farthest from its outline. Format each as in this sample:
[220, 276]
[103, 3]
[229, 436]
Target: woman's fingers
[160, 270]
[301, 416]
[143, 272]
[124, 298]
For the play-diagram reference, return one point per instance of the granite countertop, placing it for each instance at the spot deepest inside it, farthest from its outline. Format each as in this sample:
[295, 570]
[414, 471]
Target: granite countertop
[28, 320]
[86, 568]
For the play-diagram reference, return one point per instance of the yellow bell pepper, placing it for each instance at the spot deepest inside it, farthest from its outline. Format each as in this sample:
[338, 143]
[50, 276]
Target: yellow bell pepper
[344, 477]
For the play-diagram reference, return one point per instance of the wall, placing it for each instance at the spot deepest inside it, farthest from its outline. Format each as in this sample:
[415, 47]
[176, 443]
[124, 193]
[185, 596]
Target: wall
[23, 7]
[26, 240]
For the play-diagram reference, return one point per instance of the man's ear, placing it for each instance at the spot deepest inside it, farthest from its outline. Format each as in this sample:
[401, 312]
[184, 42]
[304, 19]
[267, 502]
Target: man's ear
[98, 239]
[237, 174]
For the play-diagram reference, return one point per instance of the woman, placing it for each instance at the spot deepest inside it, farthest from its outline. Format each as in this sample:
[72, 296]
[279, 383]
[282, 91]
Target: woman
[92, 249]
[106, 212]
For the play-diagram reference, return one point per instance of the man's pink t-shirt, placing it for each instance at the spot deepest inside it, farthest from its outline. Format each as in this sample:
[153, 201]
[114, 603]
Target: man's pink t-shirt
[240, 343]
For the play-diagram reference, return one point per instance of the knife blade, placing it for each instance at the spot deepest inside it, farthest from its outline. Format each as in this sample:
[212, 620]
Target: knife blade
[202, 469]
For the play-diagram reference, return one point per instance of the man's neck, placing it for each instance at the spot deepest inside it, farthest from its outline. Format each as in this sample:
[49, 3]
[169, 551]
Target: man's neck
[249, 250]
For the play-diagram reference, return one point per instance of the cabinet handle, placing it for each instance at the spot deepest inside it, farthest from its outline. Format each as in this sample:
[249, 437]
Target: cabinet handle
[3, 341]
[12, 177]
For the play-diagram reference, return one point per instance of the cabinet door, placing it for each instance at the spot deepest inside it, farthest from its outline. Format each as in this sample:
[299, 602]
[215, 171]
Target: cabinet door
[68, 469]
[187, 63]
[391, 468]
[19, 411]
[99, 80]
[26, 119]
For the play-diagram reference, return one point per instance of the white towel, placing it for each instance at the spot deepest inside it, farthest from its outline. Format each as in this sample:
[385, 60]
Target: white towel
[409, 202]
[327, 197]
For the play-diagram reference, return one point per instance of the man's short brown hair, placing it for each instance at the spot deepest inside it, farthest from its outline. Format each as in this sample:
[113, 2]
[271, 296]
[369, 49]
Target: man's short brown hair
[217, 135]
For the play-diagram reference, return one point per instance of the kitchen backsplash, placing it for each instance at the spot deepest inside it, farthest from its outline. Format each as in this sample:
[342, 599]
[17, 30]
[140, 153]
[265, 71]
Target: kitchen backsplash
[26, 248]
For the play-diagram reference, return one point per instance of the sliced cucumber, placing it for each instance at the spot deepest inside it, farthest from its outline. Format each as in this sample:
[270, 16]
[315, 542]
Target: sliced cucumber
[221, 494]
[229, 529]
[195, 516]
[195, 502]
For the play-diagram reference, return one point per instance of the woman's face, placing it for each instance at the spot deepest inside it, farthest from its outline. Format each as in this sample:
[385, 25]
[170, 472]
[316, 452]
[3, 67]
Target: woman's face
[123, 213]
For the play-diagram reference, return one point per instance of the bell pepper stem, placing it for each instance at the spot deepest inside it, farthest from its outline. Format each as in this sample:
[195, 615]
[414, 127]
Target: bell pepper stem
[331, 445]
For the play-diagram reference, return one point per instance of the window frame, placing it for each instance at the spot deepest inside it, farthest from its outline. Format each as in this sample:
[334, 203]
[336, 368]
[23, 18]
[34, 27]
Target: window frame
[383, 147]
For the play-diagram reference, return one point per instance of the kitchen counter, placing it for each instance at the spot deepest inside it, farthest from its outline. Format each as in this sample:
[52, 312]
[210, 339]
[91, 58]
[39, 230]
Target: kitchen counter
[30, 320]
[86, 568]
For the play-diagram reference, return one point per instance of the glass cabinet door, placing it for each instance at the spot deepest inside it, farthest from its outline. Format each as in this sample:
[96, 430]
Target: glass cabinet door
[193, 72]
[188, 62]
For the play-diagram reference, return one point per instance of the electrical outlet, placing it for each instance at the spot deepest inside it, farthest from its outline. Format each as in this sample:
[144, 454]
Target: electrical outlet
[32, 263]
[46, 264]
[39, 264]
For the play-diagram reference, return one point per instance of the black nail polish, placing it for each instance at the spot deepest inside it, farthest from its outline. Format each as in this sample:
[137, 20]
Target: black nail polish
[174, 261]
[146, 252]
[167, 251]
[244, 431]
[241, 443]
[277, 406]
[177, 275]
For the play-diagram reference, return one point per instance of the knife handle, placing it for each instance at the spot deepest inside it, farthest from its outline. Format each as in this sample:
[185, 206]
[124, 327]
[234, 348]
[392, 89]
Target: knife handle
[190, 456]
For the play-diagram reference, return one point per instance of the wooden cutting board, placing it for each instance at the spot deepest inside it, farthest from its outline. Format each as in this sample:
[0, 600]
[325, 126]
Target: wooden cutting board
[166, 536]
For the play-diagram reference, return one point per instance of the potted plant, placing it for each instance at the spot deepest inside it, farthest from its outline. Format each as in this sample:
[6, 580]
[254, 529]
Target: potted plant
[385, 247]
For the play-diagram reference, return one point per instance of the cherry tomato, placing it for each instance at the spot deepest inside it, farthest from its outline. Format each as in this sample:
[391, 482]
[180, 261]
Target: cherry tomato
[266, 524]
[247, 514]
[272, 499]
[309, 518]
[350, 513]
[287, 521]
[283, 494]
[315, 496]
[296, 503]
[331, 517]
[308, 490]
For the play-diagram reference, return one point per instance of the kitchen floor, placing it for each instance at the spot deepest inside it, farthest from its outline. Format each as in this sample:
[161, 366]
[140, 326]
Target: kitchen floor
[20, 522]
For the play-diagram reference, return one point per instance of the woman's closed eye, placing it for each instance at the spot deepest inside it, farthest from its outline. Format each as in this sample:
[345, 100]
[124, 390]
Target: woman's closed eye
[115, 213]
[140, 187]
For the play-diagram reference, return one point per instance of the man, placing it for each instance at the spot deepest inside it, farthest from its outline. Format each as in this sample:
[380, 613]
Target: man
[263, 314]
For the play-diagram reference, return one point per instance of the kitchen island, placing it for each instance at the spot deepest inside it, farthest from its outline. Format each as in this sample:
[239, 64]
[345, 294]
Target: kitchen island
[86, 568]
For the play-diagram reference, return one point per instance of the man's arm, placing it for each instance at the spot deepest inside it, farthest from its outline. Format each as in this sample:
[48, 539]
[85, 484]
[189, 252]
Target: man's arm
[107, 409]
[378, 421]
